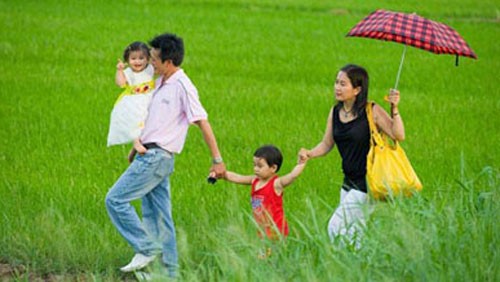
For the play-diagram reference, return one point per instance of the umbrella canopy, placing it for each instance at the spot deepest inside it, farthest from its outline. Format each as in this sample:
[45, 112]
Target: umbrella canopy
[412, 30]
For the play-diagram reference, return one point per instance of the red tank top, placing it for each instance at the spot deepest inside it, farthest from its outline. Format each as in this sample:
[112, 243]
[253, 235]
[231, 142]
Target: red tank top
[267, 209]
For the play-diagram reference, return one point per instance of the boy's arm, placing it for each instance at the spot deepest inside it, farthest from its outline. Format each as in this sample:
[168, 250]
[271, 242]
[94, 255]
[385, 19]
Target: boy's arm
[286, 180]
[238, 178]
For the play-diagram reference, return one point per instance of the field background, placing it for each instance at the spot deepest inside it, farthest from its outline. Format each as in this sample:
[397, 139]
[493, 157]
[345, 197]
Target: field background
[265, 73]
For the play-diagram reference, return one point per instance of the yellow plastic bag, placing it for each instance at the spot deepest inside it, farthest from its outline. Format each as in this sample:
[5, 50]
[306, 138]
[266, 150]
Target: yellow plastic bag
[388, 170]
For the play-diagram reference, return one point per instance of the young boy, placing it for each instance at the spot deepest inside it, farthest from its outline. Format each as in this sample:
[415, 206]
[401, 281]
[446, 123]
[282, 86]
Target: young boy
[267, 189]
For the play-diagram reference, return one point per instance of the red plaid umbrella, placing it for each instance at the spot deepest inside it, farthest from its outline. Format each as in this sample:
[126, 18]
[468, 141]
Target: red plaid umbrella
[412, 30]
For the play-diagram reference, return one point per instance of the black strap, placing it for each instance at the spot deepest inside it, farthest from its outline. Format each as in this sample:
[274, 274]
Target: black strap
[151, 146]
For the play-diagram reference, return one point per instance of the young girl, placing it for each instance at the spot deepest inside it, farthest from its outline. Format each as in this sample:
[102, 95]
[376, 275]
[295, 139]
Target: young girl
[130, 110]
[267, 190]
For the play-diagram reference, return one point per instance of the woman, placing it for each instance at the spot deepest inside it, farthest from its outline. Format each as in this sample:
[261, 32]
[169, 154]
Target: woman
[347, 126]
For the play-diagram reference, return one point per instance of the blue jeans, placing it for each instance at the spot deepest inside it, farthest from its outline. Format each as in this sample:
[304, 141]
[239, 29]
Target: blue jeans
[148, 179]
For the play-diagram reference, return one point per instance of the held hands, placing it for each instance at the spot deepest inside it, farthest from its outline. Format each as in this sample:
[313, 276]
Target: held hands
[303, 156]
[211, 178]
[218, 170]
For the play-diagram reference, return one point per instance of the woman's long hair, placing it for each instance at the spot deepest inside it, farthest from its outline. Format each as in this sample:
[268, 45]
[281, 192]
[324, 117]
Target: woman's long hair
[359, 78]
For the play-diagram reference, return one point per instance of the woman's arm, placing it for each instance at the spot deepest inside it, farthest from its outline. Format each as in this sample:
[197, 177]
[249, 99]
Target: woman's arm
[325, 146]
[394, 126]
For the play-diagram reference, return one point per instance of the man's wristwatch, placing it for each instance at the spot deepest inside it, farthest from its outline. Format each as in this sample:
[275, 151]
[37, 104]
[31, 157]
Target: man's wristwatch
[217, 160]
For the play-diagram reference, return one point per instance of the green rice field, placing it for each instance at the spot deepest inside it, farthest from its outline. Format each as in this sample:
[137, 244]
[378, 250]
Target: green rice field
[265, 71]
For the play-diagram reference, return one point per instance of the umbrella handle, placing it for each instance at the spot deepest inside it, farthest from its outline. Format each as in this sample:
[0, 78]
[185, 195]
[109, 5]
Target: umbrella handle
[400, 67]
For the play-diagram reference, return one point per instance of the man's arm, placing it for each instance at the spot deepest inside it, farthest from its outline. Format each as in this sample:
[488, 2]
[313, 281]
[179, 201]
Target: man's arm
[208, 135]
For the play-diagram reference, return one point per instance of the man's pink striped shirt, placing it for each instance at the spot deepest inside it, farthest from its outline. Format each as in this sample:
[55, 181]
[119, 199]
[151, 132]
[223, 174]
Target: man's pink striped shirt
[174, 106]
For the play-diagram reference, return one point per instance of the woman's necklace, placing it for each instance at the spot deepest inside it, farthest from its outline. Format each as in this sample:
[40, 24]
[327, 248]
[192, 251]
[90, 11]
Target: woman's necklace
[346, 112]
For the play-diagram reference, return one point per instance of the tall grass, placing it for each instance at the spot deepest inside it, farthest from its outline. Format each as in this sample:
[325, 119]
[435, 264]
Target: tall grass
[447, 237]
[265, 72]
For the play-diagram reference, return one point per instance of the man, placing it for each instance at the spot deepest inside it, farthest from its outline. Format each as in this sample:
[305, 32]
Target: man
[174, 106]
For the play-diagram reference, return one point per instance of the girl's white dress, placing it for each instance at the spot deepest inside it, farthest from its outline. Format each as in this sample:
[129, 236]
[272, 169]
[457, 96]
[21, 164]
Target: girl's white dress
[131, 108]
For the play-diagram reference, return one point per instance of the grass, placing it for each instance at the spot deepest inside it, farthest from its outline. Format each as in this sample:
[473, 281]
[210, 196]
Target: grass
[265, 72]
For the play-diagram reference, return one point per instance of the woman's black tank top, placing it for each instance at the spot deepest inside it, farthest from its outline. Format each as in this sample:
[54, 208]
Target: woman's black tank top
[353, 142]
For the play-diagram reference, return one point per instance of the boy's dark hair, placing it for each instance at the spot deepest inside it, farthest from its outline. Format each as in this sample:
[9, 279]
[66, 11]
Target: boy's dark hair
[271, 154]
[171, 47]
[135, 46]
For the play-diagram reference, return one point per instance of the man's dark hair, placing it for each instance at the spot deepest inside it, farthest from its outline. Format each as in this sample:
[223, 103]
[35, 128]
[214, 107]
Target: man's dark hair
[171, 47]
[271, 154]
